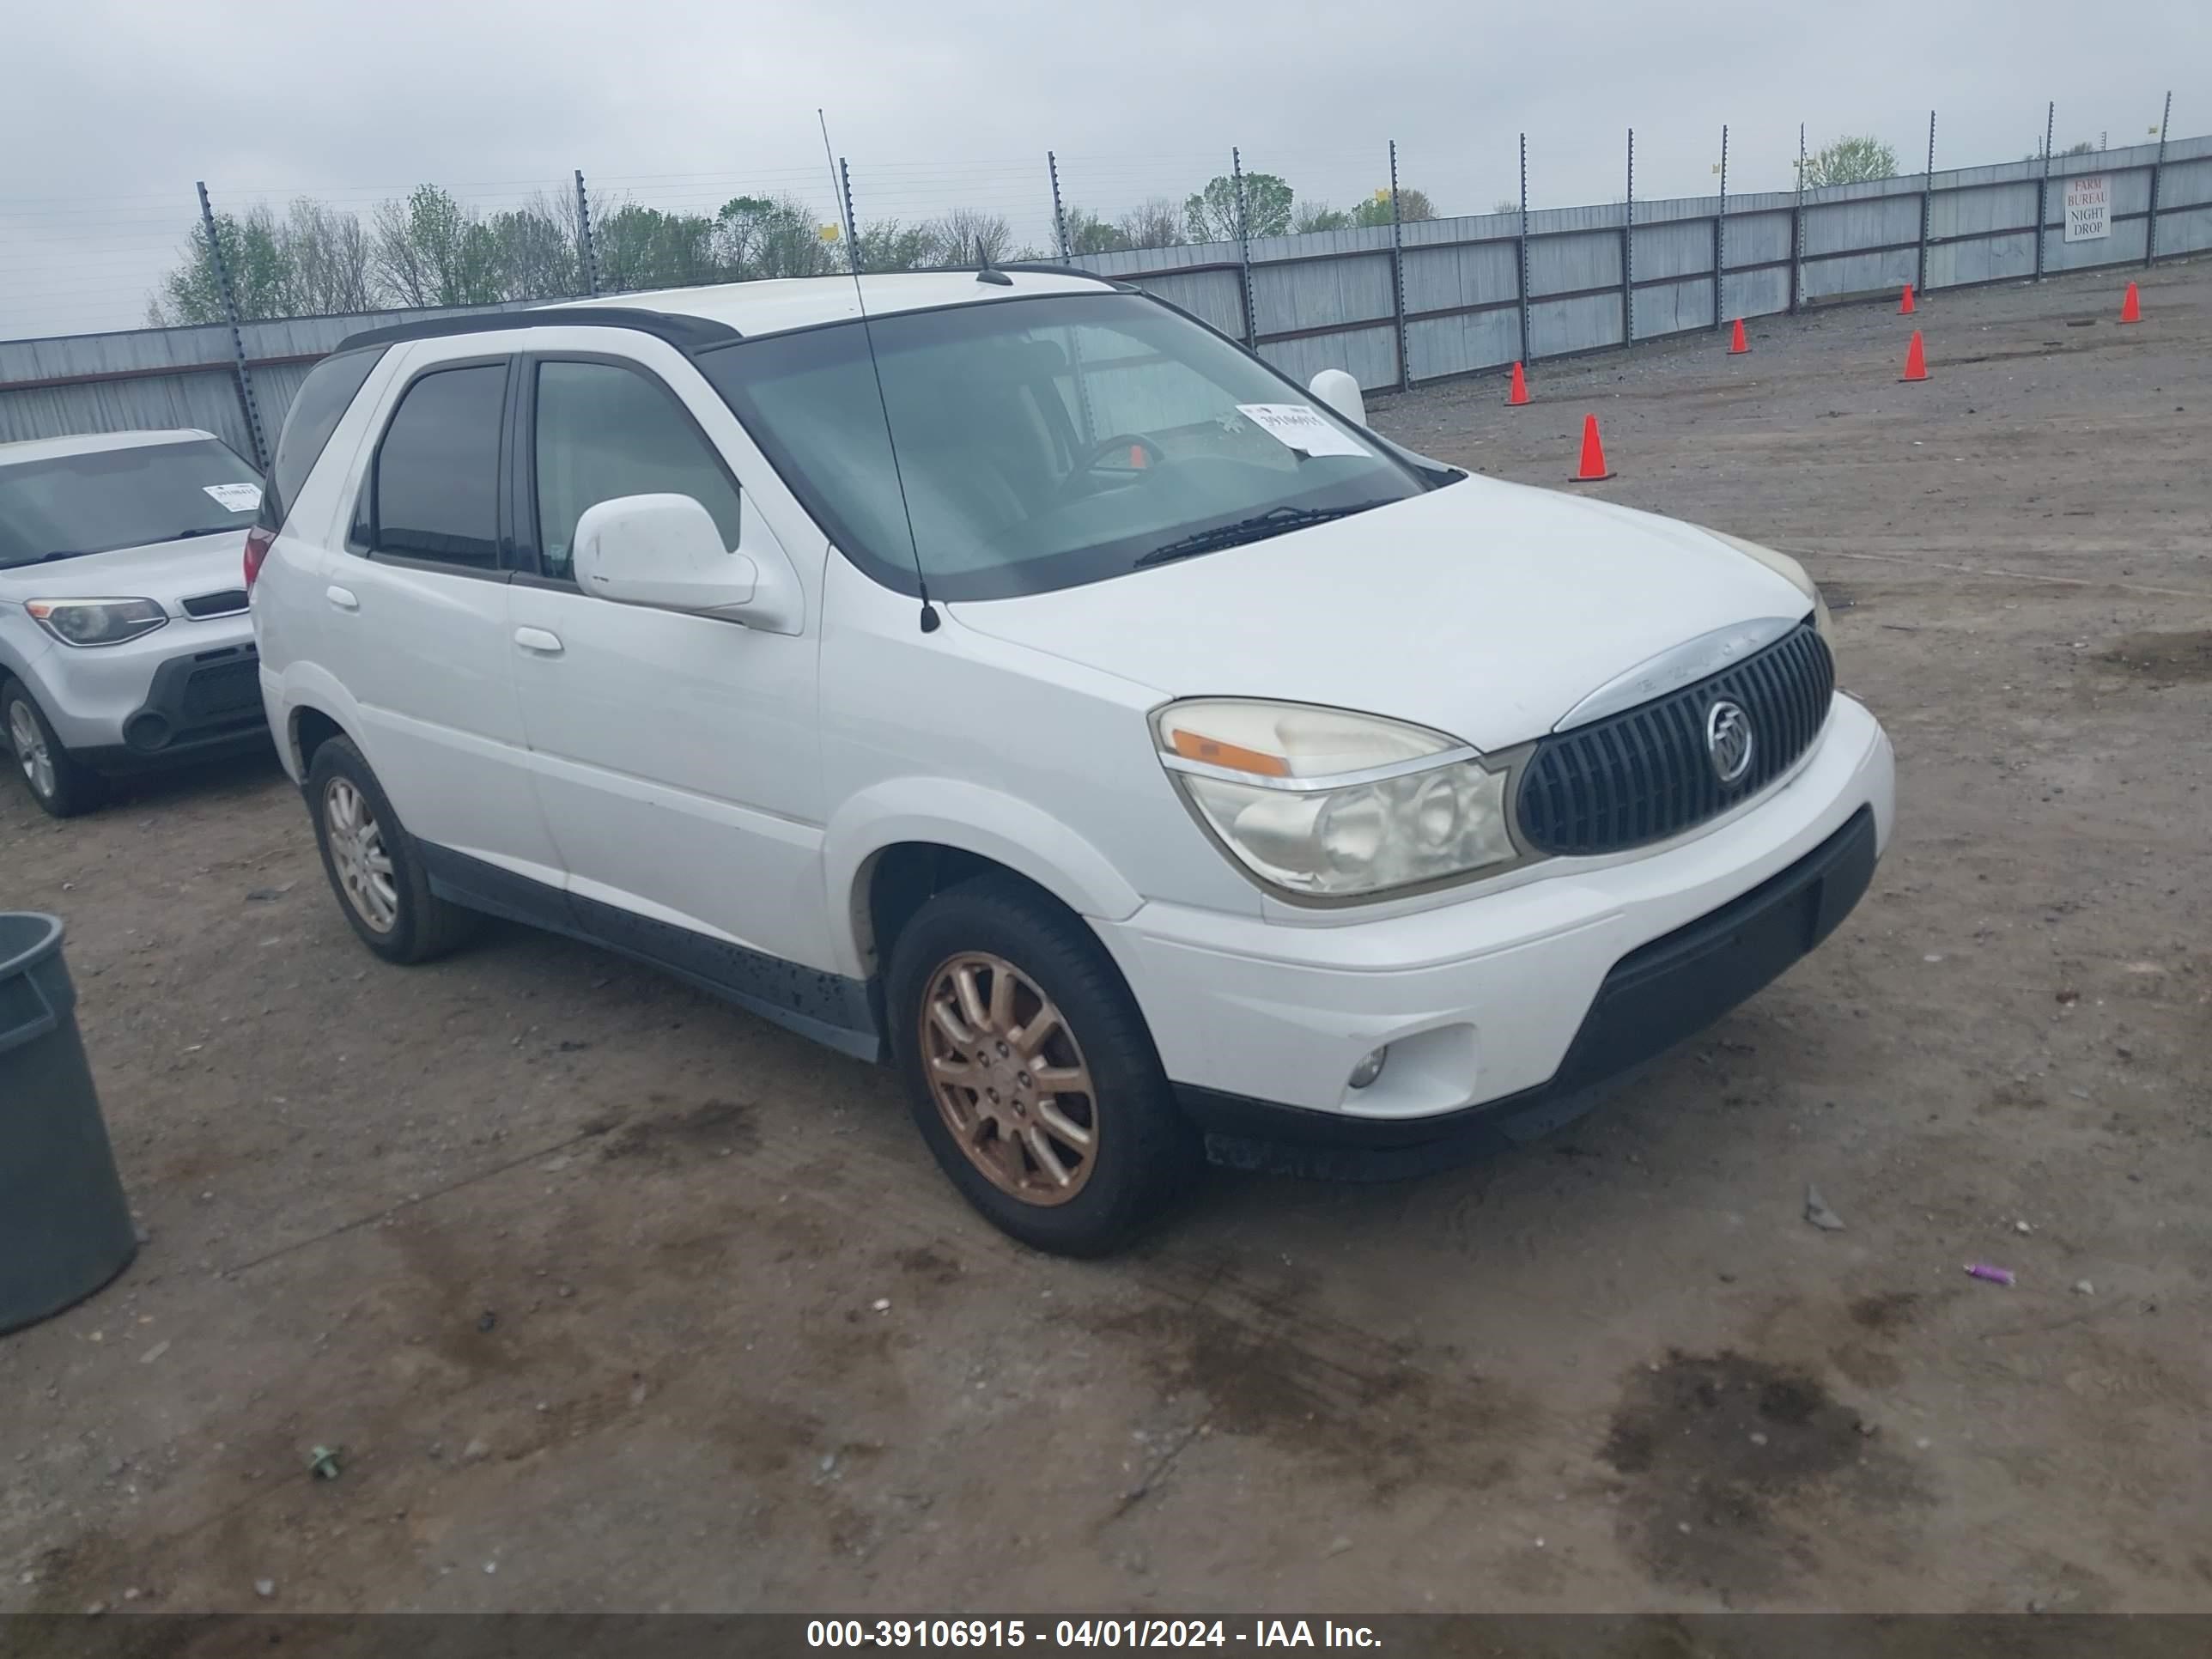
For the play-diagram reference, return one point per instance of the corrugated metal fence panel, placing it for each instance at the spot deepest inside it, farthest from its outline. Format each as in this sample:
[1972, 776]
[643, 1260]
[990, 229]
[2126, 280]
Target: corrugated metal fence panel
[1369, 356]
[2184, 183]
[1671, 307]
[209, 401]
[1214, 297]
[1681, 248]
[1320, 294]
[1444, 278]
[1460, 344]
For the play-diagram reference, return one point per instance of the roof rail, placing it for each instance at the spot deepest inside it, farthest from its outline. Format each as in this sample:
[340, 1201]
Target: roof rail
[686, 334]
[1045, 268]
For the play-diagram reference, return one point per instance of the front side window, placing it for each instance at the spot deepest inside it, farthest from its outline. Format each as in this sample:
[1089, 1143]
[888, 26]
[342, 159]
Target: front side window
[136, 496]
[604, 431]
[437, 471]
[1043, 442]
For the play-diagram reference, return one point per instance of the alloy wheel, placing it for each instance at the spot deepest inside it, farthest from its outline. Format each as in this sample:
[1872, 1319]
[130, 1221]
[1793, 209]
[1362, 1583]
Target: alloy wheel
[31, 751]
[1009, 1079]
[359, 855]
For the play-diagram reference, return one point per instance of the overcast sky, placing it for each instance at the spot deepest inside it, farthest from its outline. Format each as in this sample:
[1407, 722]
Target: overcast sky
[111, 110]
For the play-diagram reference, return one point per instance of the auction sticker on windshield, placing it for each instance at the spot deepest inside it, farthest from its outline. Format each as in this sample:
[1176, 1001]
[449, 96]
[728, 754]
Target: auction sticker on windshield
[1300, 427]
[238, 497]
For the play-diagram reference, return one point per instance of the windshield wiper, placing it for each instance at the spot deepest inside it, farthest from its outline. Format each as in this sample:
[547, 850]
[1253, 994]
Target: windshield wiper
[1274, 522]
[201, 529]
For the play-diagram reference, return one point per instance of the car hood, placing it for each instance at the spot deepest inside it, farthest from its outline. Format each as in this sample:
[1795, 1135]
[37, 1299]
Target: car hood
[167, 572]
[1484, 610]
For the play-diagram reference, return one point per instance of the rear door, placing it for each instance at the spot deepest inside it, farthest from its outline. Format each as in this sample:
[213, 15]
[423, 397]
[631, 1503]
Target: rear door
[418, 622]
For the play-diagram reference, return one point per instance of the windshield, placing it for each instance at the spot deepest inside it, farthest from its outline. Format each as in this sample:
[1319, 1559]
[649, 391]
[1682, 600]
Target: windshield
[103, 498]
[1044, 442]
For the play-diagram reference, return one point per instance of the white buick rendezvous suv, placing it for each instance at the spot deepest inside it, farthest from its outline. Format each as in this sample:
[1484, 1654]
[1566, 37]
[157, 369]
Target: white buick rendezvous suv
[1025, 685]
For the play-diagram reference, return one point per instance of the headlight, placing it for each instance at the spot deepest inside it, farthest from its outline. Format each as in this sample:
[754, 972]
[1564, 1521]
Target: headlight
[96, 621]
[1326, 803]
[1791, 571]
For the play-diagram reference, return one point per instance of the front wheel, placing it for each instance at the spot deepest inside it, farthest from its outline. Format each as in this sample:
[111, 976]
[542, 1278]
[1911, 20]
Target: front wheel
[1030, 1070]
[59, 782]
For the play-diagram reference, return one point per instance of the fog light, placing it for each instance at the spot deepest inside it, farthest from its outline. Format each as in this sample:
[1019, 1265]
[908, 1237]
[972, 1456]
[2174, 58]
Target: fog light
[1370, 1068]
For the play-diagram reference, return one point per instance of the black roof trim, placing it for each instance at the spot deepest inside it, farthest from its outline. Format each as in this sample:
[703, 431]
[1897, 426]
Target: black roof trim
[1045, 268]
[686, 334]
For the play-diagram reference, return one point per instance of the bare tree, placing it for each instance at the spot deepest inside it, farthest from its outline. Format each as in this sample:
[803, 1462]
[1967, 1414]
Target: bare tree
[328, 250]
[1156, 222]
[967, 235]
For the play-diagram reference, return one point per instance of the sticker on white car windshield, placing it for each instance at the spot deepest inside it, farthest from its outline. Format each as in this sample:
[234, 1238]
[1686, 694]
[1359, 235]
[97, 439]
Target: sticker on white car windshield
[238, 497]
[1300, 427]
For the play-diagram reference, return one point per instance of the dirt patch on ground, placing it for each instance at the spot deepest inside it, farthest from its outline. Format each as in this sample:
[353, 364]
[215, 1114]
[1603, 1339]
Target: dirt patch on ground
[1733, 1466]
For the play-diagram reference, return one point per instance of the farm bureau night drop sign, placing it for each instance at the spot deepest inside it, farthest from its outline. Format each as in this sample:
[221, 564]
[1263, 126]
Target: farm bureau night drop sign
[2089, 207]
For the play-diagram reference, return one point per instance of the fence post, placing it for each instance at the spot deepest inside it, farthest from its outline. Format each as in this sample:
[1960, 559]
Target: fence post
[1398, 276]
[1797, 230]
[852, 226]
[1628, 253]
[246, 405]
[589, 253]
[1244, 252]
[1527, 351]
[2042, 185]
[1059, 216]
[1927, 206]
[1720, 236]
[2157, 172]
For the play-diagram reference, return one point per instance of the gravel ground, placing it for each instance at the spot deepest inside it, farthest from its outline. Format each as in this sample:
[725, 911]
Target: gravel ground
[612, 1296]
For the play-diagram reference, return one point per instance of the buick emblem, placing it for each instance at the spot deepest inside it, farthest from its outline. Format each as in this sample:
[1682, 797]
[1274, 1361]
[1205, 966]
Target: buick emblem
[1728, 741]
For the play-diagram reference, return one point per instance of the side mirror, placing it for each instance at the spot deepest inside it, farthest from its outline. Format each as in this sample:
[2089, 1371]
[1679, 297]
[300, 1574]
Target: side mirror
[1341, 393]
[660, 550]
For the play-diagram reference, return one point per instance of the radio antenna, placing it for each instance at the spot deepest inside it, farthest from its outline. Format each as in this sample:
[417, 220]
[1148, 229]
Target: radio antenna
[844, 195]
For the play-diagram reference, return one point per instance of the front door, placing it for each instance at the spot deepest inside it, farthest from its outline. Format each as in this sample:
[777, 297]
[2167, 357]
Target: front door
[674, 754]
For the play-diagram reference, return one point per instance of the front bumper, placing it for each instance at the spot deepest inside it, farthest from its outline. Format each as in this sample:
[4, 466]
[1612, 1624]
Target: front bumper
[199, 706]
[1505, 1012]
[187, 690]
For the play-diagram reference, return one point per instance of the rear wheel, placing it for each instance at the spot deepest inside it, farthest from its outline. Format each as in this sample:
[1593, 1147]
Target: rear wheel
[59, 782]
[374, 865]
[1029, 1070]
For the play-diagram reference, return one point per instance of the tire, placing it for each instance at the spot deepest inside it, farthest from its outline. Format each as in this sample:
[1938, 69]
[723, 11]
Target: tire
[63, 785]
[1142, 1154]
[391, 908]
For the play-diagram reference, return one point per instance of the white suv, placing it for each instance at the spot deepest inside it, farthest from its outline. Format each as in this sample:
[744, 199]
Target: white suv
[1028, 685]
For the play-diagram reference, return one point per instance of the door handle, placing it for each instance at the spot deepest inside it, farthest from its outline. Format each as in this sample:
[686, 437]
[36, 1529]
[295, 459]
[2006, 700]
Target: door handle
[342, 597]
[538, 642]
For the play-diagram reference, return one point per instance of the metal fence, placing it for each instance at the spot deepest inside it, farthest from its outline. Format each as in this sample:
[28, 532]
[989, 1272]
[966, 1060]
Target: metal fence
[1396, 305]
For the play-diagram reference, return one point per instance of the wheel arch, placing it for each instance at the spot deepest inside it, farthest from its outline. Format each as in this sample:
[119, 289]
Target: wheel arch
[890, 847]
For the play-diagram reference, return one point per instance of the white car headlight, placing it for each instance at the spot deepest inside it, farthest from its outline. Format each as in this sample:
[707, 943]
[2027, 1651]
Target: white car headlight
[1329, 805]
[96, 621]
[1791, 571]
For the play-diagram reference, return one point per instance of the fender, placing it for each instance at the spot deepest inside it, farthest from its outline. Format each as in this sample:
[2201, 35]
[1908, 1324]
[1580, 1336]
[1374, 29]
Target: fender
[308, 685]
[973, 819]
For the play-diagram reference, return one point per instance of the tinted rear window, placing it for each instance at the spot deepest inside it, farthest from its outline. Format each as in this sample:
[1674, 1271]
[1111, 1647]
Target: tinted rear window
[437, 471]
[105, 499]
[322, 401]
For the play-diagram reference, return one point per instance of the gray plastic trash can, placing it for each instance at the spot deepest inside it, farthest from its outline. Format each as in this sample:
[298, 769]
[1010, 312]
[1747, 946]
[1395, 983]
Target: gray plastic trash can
[64, 1226]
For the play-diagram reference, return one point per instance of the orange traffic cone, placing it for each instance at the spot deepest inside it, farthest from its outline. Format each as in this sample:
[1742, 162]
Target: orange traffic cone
[1594, 469]
[2131, 307]
[1904, 306]
[1519, 395]
[1916, 360]
[1737, 344]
